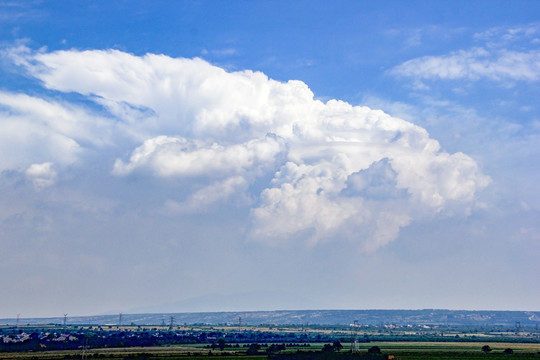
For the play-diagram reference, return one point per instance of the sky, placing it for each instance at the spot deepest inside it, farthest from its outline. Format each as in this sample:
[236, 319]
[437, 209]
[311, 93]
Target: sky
[179, 156]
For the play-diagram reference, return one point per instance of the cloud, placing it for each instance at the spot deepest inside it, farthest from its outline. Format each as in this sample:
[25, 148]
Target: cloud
[502, 36]
[176, 156]
[41, 175]
[220, 52]
[201, 200]
[379, 181]
[17, 12]
[498, 57]
[310, 171]
[474, 64]
[43, 130]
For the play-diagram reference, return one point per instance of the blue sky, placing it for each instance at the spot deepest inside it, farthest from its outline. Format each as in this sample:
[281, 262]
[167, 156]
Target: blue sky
[261, 155]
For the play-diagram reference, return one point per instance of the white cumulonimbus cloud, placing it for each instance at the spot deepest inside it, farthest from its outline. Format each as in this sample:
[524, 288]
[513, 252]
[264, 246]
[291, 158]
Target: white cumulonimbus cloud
[311, 170]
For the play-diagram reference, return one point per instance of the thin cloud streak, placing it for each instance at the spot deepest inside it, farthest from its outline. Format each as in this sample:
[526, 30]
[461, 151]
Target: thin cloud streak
[500, 56]
[474, 64]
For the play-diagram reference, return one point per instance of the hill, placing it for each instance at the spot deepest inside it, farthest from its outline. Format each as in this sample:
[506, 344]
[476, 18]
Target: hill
[525, 319]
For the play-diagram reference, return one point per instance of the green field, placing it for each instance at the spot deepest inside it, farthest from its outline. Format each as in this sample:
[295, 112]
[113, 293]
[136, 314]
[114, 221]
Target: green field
[400, 350]
[456, 351]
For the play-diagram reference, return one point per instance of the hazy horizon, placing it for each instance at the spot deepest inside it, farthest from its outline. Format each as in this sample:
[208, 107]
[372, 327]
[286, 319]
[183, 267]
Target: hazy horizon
[254, 154]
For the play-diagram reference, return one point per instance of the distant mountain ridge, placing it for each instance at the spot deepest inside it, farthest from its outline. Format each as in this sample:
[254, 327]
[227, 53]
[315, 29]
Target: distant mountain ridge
[311, 317]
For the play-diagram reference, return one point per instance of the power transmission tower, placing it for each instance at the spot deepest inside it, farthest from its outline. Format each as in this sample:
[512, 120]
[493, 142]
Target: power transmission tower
[84, 354]
[119, 320]
[65, 319]
[171, 322]
[239, 321]
[354, 343]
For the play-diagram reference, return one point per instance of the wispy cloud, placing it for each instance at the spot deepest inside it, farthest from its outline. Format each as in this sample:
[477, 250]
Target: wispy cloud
[17, 11]
[503, 36]
[498, 57]
[474, 64]
[220, 52]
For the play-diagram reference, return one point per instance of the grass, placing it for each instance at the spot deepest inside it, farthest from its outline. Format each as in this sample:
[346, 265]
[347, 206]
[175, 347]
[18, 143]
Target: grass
[456, 351]
[401, 350]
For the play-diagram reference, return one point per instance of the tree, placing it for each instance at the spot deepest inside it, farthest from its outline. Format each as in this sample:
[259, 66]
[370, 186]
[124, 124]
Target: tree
[508, 351]
[337, 346]
[253, 349]
[486, 349]
[274, 348]
[327, 348]
[221, 344]
[374, 350]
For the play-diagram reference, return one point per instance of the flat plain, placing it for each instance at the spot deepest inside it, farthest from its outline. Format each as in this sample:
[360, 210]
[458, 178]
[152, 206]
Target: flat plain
[399, 350]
